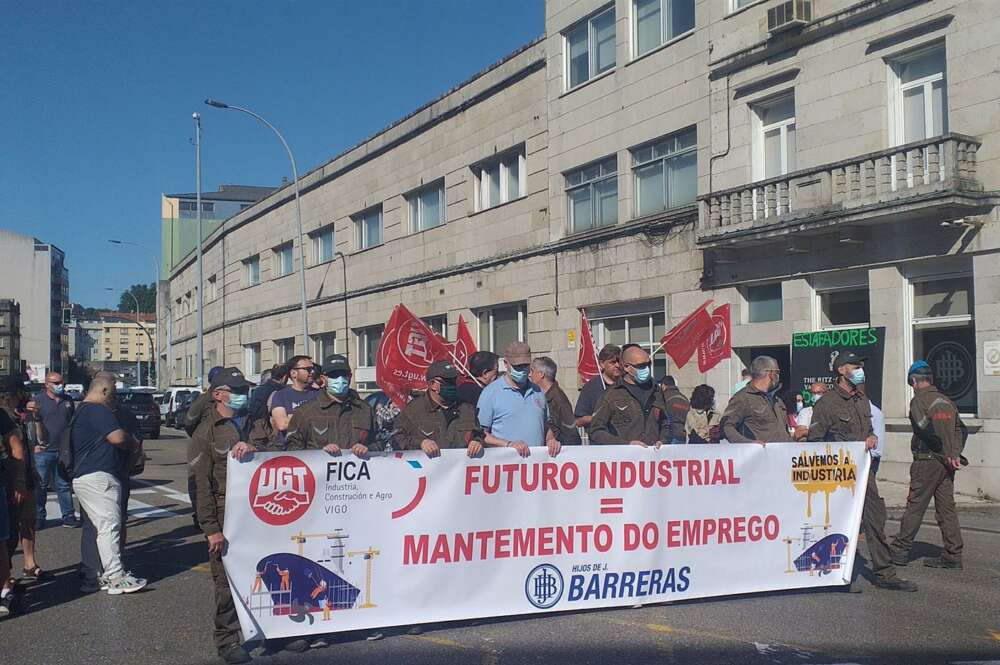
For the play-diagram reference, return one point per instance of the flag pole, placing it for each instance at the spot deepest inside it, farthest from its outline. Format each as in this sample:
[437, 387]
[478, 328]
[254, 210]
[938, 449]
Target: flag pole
[464, 368]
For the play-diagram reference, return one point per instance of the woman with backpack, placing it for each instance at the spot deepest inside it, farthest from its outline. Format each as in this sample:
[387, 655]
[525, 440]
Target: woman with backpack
[702, 424]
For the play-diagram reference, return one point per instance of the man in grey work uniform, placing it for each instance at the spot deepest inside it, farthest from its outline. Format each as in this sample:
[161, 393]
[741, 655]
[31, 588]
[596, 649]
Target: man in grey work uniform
[844, 414]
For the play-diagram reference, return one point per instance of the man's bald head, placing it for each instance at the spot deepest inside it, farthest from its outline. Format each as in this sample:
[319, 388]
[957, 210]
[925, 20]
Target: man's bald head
[53, 377]
[635, 355]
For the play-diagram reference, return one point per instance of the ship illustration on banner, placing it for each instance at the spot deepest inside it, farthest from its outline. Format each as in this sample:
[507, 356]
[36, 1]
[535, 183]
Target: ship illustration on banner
[297, 587]
[818, 557]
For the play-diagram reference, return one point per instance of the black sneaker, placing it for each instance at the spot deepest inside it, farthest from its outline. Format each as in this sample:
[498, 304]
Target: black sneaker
[941, 562]
[70, 523]
[895, 584]
[235, 654]
[900, 558]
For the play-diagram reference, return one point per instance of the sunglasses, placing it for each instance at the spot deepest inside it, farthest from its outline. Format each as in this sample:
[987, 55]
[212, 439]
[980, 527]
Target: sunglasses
[640, 365]
[309, 368]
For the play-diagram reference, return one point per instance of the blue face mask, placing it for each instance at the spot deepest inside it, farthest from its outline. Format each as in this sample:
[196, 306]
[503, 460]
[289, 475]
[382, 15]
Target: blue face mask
[58, 389]
[520, 377]
[237, 402]
[857, 376]
[338, 385]
[643, 375]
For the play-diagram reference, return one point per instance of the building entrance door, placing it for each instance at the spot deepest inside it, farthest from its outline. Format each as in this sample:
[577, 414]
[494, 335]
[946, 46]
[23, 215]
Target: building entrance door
[780, 353]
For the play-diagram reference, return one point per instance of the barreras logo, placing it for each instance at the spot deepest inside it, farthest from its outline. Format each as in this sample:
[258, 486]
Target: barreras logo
[281, 491]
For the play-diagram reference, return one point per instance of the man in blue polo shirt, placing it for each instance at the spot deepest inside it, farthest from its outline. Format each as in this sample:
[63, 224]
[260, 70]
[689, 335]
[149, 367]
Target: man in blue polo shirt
[513, 410]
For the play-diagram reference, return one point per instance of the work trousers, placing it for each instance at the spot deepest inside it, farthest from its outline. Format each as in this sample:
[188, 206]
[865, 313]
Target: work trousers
[227, 622]
[930, 478]
[873, 524]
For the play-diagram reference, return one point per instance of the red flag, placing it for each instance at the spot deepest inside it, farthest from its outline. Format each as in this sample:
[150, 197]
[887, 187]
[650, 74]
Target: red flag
[407, 349]
[718, 344]
[683, 339]
[464, 345]
[586, 360]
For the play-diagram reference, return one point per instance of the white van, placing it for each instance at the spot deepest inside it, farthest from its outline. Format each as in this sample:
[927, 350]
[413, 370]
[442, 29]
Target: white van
[173, 397]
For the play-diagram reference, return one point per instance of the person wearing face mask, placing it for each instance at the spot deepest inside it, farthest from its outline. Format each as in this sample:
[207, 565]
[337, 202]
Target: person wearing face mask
[756, 414]
[561, 419]
[512, 410]
[625, 412]
[219, 433]
[804, 417]
[844, 414]
[53, 413]
[438, 419]
[337, 419]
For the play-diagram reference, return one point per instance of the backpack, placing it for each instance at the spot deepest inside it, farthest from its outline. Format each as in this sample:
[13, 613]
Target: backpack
[66, 461]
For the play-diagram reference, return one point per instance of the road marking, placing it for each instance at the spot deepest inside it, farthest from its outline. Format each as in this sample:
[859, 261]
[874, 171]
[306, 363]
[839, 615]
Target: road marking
[201, 568]
[143, 490]
[994, 634]
[144, 510]
[166, 490]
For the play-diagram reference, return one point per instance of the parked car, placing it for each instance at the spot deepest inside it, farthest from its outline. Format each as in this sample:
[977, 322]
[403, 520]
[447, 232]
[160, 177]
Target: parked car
[181, 412]
[173, 398]
[145, 409]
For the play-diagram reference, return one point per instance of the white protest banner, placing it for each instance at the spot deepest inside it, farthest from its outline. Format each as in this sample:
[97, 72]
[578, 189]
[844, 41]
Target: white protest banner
[320, 544]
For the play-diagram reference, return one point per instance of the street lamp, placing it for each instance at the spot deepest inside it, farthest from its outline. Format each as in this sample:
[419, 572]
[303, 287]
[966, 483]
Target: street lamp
[156, 276]
[138, 356]
[298, 212]
[199, 301]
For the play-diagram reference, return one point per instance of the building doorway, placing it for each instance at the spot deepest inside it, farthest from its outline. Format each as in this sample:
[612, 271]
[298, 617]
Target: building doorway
[780, 353]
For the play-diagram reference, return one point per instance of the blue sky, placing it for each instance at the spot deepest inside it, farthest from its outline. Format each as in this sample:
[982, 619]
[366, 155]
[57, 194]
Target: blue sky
[97, 99]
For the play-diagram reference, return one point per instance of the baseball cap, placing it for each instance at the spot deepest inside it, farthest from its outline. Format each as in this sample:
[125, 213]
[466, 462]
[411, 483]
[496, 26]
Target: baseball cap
[848, 357]
[921, 368]
[518, 353]
[212, 372]
[230, 377]
[336, 363]
[442, 369]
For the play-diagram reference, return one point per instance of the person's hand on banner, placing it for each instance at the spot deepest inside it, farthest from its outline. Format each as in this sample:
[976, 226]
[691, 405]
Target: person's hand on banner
[243, 450]
[762, 444]
[871, 442]
[521, 447]
[641, 444]
[658, 445]
[430, 448]
[554, 446]
[474, 449]
[360, 449]
[215, 543]
[333, 449]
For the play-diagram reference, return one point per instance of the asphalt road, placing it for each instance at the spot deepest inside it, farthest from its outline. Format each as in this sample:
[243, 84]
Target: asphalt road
[954, 617]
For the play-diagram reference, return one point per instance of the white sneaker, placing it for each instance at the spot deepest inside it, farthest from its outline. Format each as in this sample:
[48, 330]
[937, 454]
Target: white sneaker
[127, 583]
[94, 585]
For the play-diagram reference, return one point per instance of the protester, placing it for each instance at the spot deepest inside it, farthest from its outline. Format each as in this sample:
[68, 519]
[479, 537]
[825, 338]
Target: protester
[513, 410]
[284, 402]
[22, 504]
[99, 444]
[844, 414]
[201, 405]
[483, 368]
[745, 378]
[702, 422]
[804, 417]
[218, 433]
[624, 413]
[271, 381]
[609, 362]
[561, 420]
[755, 414]
[937, 442]
[54, 411]
[671, 409]
[127, 421]
[8, 467]
[437, 419]
[878, 427]
[335, 420]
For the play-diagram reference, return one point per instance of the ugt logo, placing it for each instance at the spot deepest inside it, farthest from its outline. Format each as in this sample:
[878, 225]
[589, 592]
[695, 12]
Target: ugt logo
[281, 491]
[544, 586]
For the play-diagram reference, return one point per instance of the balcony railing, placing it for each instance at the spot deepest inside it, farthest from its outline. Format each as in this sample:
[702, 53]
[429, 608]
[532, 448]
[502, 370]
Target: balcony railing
[916, 169]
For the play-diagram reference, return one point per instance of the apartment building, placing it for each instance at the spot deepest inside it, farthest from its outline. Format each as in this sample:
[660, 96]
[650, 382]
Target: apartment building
[10, 337]
[816, 165]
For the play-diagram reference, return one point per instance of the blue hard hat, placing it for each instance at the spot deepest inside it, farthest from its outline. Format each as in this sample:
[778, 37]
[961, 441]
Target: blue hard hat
[919, 367]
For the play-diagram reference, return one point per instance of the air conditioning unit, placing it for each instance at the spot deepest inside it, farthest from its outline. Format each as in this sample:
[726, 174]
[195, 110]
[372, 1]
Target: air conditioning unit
[788, 15]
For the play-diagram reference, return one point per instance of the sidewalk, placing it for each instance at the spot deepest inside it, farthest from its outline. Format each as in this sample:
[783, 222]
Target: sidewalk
[974, 513]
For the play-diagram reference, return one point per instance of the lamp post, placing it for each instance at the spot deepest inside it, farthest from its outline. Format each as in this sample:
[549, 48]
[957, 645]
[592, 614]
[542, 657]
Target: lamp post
[138, 356]
[347, 329]
[156, 276]
[298, 212]
[200, 352]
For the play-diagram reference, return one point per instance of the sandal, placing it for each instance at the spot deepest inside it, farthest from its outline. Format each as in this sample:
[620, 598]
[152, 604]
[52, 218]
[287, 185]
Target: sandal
[33, 574]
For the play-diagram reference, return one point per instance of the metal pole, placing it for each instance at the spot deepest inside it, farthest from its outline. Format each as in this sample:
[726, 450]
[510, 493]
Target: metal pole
[298, 214]
[154, 348]
[200, 353]
[347, 330]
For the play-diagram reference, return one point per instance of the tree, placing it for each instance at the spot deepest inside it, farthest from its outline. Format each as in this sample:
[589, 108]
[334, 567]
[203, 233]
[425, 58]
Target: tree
[144, 293]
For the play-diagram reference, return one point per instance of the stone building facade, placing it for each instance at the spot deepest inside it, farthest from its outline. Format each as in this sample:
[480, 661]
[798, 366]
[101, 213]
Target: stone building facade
[645, 156]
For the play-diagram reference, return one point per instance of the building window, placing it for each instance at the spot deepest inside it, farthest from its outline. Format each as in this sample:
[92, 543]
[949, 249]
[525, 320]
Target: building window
[592, 195]
[659, 21]
[368, 342]
[764, 303]
[500, 180]
[644, 329]
[920, 101]
[322, 245]
[590, 48]
[324, 346]
[251, 359]
[774, 140]
[251, 270]
[283, 260]
[426, 207]
[192, 206]
[944, 335]
[499, 326]
[368, 228]
[666, 173]
[438, 324]
[284, 349]
[740, 4]
[844, 308]
[213, 289]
